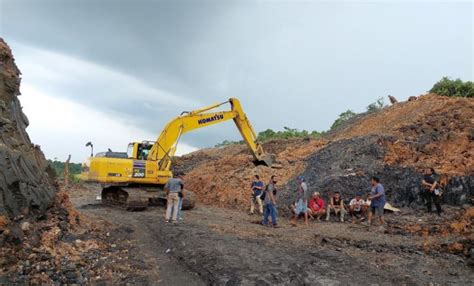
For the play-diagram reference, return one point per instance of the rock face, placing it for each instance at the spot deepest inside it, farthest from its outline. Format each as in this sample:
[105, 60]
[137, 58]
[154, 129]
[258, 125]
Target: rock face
[347, 166]
[26, 179]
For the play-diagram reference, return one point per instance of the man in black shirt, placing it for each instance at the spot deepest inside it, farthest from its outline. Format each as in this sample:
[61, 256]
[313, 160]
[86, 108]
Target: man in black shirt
[431, 192]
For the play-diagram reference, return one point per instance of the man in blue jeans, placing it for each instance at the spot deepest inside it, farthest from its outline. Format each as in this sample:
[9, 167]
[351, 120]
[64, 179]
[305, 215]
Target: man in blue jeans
[270, 203]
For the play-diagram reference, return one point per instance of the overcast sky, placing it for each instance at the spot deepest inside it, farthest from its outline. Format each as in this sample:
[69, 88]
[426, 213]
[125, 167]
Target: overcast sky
[112, 72]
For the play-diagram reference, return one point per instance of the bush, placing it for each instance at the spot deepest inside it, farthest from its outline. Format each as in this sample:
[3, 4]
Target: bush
[343, 117]
[375, 106]
[227, 143]
[269, 134]
[74, 169]
[456, 88]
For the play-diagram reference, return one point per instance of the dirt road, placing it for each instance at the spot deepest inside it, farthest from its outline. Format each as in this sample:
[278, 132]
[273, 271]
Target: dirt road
[216, 246]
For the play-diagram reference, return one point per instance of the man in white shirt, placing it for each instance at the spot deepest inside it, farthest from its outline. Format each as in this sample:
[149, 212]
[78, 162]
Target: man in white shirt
[357, 208]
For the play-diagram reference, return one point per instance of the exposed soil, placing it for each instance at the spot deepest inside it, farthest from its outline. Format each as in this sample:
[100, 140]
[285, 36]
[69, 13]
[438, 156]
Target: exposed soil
[217, 246]
[63, 246]
[395, 143]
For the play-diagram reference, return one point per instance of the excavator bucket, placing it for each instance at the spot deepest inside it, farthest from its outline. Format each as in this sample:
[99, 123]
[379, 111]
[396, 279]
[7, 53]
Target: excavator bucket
[266, 159]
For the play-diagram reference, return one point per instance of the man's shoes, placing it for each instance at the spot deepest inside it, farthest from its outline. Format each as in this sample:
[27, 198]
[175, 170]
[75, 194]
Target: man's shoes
[167, 221]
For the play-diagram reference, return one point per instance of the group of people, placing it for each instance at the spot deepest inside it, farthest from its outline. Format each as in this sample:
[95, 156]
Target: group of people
[360, 208]
[264, 198]
[264, 195]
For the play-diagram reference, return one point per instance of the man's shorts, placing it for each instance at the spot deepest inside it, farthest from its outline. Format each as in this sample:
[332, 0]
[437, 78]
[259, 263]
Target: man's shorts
[378, 211]
[300, 207]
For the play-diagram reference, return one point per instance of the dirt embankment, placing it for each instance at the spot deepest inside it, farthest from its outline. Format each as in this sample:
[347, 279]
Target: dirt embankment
[432, 131]
[26, 180]
[395, 143]
[222, 176]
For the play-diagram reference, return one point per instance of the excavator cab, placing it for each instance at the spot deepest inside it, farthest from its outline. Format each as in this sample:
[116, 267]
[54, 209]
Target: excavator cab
[139, 150]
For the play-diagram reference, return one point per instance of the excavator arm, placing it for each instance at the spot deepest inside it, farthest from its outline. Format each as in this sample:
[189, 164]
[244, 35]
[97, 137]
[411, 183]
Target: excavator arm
[165, 146]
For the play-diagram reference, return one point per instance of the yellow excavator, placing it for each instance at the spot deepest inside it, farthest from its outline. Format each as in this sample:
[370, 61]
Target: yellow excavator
[135, 179]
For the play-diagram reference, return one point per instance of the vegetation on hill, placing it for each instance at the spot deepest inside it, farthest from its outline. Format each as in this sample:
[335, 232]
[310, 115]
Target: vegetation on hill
[346, 115]
[58, 166]
[269, 134]
[377, 105]
[456, 88]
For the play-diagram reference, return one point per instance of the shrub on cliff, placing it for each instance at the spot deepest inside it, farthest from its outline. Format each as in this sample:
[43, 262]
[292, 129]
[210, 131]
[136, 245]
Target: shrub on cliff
[456, 88]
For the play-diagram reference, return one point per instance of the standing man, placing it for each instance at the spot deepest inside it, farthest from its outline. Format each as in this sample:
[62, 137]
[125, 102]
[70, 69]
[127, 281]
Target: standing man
[431, 193]
[377, 198]
[301, 204]
[270, 202]
[172, 188]
[257, 189]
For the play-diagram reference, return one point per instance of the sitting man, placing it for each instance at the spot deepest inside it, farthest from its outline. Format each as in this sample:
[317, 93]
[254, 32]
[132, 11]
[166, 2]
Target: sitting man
[336, 205]
[357, 207]
[316, 206]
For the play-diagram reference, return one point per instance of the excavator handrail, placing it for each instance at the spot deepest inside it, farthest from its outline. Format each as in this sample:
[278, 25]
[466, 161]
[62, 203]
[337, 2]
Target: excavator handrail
[165, 145]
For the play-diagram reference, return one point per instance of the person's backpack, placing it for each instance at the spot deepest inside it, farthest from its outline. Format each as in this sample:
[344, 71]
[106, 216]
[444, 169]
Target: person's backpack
[264, 192]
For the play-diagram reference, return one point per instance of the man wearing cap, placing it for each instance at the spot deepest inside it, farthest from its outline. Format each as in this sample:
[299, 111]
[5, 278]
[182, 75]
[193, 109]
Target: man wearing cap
[257, 189]
[356, 207]
[316, 206]
[301, 204]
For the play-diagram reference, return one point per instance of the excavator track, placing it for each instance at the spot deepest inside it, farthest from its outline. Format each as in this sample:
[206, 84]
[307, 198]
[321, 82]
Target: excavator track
[131, 199]
[139, 198]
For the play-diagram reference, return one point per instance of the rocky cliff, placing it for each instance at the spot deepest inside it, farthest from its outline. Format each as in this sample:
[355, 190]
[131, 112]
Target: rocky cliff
[26, 180]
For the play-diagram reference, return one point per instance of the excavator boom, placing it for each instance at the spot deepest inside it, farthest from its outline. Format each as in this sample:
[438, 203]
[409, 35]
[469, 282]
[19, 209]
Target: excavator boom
[165, 146]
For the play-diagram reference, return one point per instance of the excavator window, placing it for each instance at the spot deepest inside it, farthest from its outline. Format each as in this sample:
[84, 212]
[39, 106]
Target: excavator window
[130, 151]
[143, 151]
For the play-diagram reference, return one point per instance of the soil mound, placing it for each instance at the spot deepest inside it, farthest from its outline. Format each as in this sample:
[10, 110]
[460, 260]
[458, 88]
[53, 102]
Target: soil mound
[433, 131]
[26, 179]
[395, 143]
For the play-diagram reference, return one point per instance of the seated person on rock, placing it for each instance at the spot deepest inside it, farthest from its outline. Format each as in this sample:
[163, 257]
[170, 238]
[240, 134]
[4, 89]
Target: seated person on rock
[336, 206]
[357, 207]
[316, 206]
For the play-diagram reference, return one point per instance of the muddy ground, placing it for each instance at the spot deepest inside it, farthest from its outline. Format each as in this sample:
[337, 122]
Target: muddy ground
[217, 246]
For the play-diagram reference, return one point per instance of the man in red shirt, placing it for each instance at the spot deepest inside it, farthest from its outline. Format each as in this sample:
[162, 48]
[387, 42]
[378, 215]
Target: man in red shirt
[316, 206]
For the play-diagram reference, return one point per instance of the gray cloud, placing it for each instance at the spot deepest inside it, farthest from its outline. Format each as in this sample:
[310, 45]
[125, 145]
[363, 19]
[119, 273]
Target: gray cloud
[292, 64]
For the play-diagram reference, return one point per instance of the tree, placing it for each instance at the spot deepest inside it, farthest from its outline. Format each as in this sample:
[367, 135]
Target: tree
[455, 88]
[377, 105]
[343, 117]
